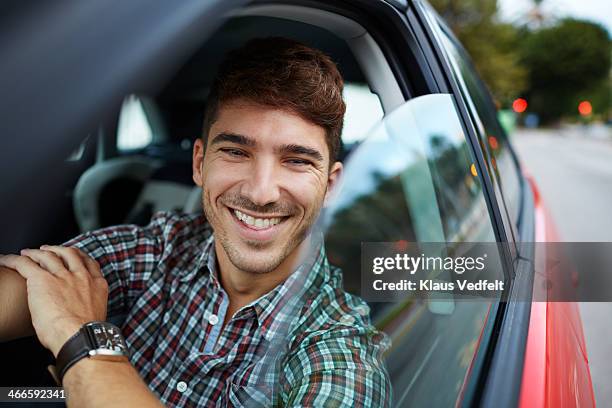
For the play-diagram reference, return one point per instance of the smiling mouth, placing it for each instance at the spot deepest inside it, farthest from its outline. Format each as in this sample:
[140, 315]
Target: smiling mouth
[257, 223]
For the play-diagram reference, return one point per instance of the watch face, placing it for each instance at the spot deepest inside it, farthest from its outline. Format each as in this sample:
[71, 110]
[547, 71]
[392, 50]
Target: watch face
[107, 336]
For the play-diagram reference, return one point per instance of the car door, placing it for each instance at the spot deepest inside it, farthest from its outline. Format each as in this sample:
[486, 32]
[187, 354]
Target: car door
[100, 62]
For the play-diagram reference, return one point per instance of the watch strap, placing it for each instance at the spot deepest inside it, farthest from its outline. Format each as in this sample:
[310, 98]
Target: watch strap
[76, 348]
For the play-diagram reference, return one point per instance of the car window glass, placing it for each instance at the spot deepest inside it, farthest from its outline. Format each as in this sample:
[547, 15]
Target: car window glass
[363, 110]
[493, 138]
[134, 130]
[412, 179]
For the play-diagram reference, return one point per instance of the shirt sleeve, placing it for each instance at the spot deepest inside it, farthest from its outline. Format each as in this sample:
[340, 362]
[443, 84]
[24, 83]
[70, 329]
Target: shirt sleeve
[127, 255]
[345, 369]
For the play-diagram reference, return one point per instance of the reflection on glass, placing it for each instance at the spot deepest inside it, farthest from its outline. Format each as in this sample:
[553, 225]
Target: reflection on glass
[410, 180]
[502, 164]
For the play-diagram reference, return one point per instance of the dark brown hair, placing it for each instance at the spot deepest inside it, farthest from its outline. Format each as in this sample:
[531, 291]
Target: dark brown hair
[285, 74]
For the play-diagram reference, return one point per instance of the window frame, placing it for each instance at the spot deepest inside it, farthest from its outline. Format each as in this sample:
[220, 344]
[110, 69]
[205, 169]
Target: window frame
[426, 17]
[477, 117]
[499, 365]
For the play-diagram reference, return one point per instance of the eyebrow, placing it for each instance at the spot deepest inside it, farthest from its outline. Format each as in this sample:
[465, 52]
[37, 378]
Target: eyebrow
[284, 149]
[233, 138]
[302, 150]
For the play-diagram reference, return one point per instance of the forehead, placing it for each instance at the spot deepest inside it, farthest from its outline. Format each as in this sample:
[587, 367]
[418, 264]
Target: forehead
[268, 126]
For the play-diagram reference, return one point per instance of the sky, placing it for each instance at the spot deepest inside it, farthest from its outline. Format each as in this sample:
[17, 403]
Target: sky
[599, 11]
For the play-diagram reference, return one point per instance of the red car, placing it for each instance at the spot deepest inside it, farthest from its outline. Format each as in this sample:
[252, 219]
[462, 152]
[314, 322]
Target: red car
[120, 89]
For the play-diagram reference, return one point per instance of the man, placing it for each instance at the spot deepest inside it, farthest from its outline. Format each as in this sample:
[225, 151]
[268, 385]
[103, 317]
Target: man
[235, 307]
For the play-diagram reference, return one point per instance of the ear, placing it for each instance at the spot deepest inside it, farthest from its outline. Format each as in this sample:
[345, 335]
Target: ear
[333, 181]
[198, 160]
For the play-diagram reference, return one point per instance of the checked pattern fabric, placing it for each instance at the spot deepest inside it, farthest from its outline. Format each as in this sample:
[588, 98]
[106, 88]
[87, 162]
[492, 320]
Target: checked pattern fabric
[305, 343]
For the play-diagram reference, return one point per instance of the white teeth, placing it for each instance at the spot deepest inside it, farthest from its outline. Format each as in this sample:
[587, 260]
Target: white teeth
[259, 223]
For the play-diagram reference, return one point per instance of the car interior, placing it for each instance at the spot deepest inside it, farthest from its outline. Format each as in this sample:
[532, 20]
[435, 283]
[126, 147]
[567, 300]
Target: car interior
[139, 162]
[146, 161]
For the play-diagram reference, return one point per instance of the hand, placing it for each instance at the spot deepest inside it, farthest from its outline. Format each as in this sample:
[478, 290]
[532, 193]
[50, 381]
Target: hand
[65, 290]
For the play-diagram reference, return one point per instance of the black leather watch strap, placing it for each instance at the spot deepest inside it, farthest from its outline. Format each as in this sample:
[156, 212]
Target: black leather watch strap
[76, 348]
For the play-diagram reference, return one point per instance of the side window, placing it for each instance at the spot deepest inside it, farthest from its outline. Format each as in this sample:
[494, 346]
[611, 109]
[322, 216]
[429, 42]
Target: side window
[493, 139]
[411, 180]
[140, 125]
[134, 130]
[363, 110]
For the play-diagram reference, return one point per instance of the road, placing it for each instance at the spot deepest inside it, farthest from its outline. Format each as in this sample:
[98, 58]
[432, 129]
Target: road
[574, 174]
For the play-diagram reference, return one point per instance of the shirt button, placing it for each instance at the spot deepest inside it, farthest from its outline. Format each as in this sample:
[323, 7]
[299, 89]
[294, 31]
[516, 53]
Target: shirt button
[213, 319]
[181, 386]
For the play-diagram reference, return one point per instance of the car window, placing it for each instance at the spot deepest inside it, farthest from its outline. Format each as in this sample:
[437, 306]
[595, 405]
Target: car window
[412, 179]
[493, 138]
[140, 124]
[363, 110]
[134, 130]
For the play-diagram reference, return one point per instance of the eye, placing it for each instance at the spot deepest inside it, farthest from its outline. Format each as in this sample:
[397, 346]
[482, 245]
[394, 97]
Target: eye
[233, 152]
[298, 162]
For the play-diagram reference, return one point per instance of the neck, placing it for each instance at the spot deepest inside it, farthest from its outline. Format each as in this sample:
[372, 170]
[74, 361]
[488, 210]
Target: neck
[244, 287]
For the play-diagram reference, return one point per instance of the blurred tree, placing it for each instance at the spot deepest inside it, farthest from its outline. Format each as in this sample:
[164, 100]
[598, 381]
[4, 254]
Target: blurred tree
[567, 62]
[492, 45]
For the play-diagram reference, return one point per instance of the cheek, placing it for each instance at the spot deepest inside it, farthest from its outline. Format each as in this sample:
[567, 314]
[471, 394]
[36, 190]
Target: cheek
[218, 179]
[306, 188]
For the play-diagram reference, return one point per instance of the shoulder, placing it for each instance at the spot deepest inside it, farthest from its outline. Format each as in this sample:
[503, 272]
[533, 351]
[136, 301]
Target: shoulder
[336, 354]
[334, 331]
[179, 227]
[166, 233]
[164, 226]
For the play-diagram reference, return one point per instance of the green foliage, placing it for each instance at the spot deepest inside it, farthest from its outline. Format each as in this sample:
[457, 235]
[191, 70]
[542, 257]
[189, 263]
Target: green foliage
[493, 46]
[554, 67]
[567, 62]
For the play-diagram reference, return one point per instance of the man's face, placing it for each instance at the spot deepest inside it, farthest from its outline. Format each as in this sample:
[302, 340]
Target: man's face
[265, 175]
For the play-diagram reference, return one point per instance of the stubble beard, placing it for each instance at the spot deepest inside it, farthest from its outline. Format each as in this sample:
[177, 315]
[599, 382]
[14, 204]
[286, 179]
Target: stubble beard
[274, 259]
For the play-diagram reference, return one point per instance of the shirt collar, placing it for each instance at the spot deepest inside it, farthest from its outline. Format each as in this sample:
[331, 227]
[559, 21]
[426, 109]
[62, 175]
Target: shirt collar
[207, 258]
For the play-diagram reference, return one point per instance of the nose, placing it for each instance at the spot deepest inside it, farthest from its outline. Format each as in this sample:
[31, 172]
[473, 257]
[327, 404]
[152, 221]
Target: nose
[263, 184]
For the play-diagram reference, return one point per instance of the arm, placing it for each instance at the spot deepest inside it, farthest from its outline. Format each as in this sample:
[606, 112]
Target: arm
[15, 320]
[66, 289]
[341, 368]
[341, 388]
[114, 249]
[96, 383]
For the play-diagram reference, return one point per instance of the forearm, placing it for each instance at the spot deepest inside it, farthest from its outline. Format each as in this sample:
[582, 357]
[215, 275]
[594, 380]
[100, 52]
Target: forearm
[15, 320]
[96, 383]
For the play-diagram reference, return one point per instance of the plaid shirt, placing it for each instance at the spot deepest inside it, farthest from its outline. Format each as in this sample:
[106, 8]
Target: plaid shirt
[305, 343]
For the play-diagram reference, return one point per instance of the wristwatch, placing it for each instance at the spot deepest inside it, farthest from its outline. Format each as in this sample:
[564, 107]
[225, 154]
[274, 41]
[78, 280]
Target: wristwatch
[98, 340]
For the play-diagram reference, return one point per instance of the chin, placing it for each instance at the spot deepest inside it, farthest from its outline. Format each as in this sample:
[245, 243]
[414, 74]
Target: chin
[255, 266]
